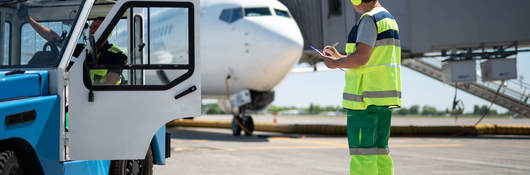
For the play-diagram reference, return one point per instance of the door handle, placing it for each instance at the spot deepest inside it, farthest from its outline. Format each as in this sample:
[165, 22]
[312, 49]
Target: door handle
[186, 92]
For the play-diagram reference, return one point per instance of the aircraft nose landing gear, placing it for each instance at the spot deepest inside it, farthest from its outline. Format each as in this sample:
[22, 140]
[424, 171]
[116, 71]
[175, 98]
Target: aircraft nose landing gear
[242, 122]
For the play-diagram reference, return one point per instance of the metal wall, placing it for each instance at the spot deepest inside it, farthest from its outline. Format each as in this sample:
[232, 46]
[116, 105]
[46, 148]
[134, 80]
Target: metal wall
[323, 22]
[307, 14]
[425, 25]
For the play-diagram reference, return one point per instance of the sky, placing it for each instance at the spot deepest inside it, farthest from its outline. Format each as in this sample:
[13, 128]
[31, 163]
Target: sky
[325, 89]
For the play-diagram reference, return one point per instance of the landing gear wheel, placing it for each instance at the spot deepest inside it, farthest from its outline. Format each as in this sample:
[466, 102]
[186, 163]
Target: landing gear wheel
[9, 163]
[236, 130]
[248, 122]
[133, 167]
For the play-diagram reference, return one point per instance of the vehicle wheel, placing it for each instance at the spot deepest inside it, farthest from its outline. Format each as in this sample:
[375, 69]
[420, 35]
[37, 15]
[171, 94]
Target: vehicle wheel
[9, 164]
[236, 130]
[248, 122]
[133, 167]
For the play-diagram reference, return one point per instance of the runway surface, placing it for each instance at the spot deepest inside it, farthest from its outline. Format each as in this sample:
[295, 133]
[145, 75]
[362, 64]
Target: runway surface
[216, 151]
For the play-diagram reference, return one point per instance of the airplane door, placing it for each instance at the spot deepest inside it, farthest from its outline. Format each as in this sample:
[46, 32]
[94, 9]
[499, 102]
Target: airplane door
[118, 101]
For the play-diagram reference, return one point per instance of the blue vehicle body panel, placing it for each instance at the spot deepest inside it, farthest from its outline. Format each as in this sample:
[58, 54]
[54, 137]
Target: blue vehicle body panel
[88, 167]
[19, 85]
[29, 84]
[42, 133]
[159, 146]
[29, 92]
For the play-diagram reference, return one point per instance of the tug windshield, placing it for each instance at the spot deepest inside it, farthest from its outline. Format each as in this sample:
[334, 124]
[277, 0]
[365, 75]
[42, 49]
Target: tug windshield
[34, 34]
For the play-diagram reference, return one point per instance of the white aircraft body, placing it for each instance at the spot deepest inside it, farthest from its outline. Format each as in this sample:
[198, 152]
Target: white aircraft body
[258, 50]
[255, 43]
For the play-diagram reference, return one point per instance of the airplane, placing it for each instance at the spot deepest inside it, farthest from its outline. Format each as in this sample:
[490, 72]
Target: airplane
[254, 44]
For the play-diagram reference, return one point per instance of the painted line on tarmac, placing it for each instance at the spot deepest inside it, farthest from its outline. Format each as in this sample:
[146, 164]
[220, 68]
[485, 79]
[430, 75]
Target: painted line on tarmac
[424, 145]
[199, 141]
[319, 145]
[288, 147]
[309, 141]
[391, 144]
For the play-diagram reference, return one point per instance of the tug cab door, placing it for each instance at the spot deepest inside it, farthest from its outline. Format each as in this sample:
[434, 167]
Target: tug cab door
[158, 80]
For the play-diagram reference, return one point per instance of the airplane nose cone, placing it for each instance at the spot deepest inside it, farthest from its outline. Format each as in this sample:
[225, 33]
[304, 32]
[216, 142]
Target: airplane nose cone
[280, 44]
[280, 33]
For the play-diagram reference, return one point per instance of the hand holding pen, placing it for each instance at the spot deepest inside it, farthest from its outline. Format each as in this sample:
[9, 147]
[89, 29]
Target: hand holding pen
[329, 55]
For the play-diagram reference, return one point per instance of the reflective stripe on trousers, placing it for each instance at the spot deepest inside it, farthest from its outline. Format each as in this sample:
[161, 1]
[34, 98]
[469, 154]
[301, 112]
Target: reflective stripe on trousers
[371, 94]
[369, 151]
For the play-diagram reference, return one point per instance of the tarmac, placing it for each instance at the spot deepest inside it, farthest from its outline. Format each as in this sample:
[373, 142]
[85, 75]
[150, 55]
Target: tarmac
[216, 151]
[396, 120]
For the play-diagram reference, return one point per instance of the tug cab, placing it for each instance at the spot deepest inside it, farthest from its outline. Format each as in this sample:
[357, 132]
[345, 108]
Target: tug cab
[56, 119]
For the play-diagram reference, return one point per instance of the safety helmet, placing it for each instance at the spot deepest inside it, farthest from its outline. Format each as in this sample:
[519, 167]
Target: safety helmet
[356, 2]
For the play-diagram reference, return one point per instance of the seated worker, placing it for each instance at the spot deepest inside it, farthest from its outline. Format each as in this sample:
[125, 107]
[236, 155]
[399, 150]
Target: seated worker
[108, 53]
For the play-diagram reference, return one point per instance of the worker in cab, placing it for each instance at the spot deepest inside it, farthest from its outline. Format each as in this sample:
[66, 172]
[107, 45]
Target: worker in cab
[373, 86]
[108, 53]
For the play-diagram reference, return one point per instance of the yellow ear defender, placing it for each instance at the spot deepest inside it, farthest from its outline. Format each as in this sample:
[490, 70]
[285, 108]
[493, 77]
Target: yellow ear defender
[356, 2]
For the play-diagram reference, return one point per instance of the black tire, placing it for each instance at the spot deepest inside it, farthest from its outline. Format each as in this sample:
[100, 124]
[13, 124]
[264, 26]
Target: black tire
[9, 163]
[133, 167]
[236, 130]
[248, 122]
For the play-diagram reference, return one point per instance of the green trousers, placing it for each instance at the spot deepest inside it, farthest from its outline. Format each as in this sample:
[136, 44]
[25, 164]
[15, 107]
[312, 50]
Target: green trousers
[368, 133]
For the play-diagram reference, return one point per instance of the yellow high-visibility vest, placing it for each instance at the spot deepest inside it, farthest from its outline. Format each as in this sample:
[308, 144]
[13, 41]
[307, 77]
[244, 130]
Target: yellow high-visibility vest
[379, 81]
[99, 76]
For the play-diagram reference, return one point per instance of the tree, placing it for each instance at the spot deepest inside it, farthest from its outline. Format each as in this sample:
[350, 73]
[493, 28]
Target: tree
[414, 110]
[428, 110]
[476, 110]
[403, 111]
[481, 110]
[212, 108]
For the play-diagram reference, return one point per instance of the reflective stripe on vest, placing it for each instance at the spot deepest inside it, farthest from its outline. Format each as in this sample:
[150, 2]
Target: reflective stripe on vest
[379, 81]
[99, 76]
[369, 151]
[368, 94]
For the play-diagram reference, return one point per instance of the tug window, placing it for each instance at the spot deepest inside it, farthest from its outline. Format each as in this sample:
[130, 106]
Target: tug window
[155, 44]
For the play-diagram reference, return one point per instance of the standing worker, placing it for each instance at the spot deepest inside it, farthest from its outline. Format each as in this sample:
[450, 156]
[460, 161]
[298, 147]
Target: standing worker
[373, 86]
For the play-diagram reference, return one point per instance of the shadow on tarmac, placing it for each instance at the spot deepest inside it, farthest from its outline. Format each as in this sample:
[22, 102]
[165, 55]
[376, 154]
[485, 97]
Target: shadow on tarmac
[193, 134]
[222, 135]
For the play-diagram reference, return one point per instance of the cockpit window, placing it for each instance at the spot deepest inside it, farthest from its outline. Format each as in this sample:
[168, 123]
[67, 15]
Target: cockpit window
[258, 11]
[231, 15]
[282, 13]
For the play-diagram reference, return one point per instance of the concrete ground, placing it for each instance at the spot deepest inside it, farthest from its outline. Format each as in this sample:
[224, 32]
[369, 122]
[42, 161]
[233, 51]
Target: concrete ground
[216, 151]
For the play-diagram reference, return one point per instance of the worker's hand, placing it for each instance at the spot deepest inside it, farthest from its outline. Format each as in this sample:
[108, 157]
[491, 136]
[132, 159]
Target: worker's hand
[330, 60]
[22, 12]
[330, 50]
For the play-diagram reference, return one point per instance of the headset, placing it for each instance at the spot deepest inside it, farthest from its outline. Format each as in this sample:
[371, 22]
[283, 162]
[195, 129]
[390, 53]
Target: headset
[356, 2]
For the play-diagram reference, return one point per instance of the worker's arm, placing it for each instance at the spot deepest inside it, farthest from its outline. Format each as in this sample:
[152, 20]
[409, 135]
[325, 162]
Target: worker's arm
[44, 32]
[112, 78]
[360, 57]
[365, 42]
